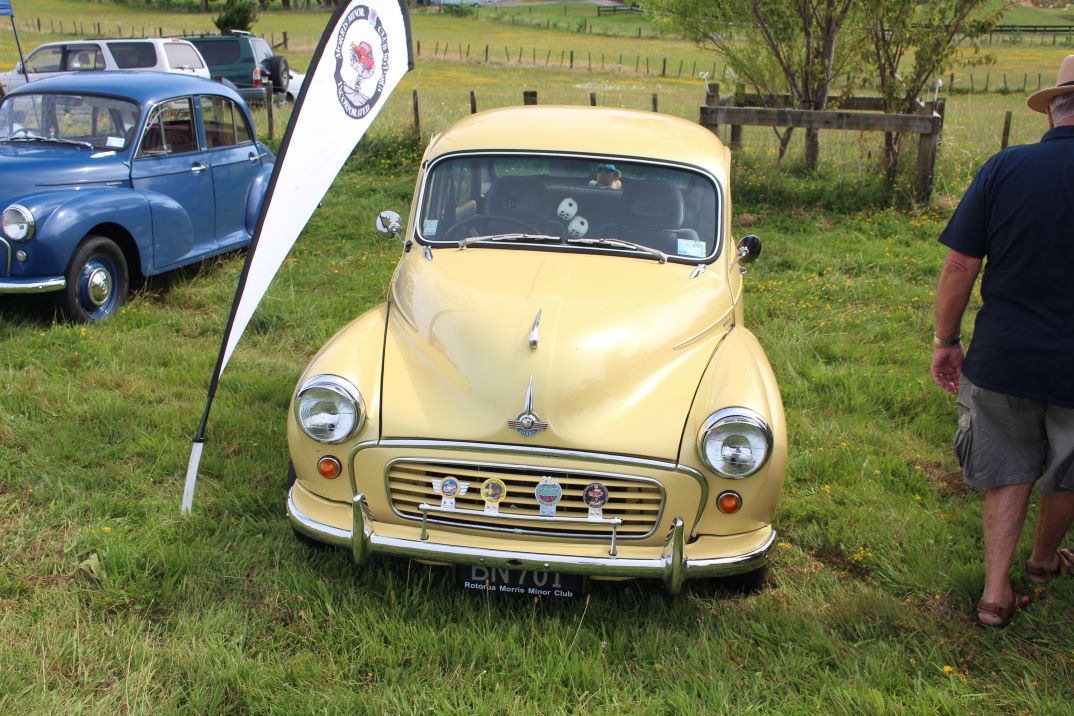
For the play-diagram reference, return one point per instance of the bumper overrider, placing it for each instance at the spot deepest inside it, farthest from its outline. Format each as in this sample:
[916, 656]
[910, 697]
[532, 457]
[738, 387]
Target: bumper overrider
[673, 565]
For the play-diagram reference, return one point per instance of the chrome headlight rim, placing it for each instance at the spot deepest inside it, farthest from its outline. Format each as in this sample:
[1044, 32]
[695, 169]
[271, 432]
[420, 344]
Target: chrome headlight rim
[734, 414]
[342, 387]
[25, 215]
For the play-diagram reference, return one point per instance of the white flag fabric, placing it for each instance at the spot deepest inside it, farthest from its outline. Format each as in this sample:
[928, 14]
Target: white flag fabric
[362, 55]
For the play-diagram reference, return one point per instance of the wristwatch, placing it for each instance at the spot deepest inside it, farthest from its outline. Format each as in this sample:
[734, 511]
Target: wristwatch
[938, 342]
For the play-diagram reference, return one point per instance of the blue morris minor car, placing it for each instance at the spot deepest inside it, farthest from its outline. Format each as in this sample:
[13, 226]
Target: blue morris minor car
[109, 176]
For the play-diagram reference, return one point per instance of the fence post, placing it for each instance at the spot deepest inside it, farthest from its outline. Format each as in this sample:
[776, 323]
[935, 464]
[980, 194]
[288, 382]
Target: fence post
[592, 99]
[571, 66]
[268, 108]
[473, 102]
[737, 100]
[417, 115]
[285, 39]
[529, 97]
[664, 68]
[712, 99]
[926, 156]
[1006, 130]
[655, 103]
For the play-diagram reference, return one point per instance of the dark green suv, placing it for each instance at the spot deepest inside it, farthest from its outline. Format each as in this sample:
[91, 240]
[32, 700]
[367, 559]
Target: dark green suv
[248, 63]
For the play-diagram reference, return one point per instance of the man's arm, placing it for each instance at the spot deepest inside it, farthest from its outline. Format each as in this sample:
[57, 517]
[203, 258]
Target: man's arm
[952, 294]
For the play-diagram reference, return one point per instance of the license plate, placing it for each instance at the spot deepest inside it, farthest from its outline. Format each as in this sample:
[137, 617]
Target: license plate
[559, 585]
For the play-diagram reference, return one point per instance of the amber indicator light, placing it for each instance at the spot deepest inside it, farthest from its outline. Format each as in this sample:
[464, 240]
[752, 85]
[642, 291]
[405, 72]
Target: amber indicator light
[329, 467]
[729, 502]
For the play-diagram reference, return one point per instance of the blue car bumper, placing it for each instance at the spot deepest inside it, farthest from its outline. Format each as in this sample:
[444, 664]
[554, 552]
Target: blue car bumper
[41, 284]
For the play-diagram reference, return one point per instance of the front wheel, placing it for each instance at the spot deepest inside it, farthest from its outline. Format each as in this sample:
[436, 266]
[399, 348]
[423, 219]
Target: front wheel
[97, 281]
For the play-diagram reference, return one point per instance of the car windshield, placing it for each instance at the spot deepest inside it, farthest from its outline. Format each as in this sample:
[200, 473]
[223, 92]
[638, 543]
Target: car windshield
[580, 201]
[76, 120]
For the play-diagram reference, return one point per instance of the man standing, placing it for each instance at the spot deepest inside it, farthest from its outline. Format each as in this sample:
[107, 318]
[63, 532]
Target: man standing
[1016, 386]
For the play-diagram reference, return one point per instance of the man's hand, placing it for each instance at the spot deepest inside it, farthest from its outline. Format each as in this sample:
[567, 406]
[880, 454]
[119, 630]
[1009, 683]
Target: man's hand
[947, 367]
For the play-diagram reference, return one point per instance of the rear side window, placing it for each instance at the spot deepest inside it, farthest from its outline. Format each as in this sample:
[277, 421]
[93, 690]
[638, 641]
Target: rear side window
[262, 51]
[225, 124]
[219, 52]
[80, 58]
[170, 130]
[182, 56]
[134, 55]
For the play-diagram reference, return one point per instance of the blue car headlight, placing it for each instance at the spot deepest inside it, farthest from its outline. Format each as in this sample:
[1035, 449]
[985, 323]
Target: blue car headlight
[17, 223]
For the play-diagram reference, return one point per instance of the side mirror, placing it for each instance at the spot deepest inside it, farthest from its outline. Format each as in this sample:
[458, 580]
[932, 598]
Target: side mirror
[388, 223]
[749, 248]
[18, 68]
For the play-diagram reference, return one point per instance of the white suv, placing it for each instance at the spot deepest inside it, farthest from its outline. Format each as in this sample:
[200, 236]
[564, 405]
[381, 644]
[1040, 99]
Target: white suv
[57, 58]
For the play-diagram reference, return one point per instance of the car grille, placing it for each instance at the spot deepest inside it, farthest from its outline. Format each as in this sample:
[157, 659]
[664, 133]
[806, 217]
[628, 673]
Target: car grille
[638, 502]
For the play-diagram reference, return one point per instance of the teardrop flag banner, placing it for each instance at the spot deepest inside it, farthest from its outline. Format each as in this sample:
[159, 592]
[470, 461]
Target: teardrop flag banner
[362, 55]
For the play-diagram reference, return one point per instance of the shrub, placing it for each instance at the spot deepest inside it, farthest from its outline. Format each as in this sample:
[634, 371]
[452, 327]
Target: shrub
[236, 15]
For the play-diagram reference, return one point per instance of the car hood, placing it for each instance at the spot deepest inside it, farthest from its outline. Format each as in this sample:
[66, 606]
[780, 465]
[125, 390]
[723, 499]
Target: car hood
[25, 167]
[621, 345]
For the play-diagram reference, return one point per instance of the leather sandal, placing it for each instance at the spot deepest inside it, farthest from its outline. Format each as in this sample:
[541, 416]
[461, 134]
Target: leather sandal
[1064, 565]
[1003, 612]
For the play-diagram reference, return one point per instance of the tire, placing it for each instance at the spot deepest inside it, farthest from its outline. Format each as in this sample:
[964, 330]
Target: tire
[747, 583]
[279, 73]
[97, 281]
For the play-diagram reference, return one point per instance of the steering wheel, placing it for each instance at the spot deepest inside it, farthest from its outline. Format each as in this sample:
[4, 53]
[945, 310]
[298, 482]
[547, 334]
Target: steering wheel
[492, 224]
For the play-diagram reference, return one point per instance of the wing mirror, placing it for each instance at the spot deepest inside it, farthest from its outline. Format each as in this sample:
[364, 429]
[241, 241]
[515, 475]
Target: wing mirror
[388, 223]
[749, 248]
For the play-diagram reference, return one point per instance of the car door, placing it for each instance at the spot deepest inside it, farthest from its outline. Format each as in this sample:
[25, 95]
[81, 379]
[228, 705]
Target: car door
[172, 168]
[235, 161]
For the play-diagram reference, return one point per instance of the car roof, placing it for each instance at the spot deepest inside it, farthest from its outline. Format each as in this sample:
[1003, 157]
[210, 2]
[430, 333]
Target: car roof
[608, 131]
[141, 86]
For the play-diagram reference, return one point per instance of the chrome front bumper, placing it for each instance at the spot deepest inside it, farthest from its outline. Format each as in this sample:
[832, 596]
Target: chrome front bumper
[673, 567]
[32, 285]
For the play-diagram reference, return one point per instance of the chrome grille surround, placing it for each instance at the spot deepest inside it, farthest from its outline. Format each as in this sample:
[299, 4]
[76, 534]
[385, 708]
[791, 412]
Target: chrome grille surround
[637, 501]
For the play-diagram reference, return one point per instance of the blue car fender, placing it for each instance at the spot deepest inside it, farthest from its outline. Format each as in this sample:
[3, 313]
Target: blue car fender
[64, 218]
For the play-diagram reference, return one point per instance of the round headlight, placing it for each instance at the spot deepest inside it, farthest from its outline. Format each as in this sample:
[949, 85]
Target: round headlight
[17, 223]
[734, 442]
[329, 409]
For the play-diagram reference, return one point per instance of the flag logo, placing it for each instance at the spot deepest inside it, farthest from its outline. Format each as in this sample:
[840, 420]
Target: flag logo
[361, 61]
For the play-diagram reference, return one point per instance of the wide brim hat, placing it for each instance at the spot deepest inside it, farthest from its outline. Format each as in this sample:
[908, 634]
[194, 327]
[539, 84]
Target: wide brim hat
[1064, 83]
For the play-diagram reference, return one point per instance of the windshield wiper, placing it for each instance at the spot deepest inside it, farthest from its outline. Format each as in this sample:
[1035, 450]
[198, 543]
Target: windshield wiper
[622, 244]
[54, 140]
[507, 237]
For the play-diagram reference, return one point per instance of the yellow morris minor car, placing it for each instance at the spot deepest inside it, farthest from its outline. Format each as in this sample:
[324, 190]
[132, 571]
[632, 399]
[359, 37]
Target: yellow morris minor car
[560, 382]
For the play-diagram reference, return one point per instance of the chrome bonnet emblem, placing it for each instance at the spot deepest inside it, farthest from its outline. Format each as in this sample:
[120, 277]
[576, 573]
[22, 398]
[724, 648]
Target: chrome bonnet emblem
[527, 423]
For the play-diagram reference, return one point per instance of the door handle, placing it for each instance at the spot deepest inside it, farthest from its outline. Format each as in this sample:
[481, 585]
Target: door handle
[198, 168]
[252, 158]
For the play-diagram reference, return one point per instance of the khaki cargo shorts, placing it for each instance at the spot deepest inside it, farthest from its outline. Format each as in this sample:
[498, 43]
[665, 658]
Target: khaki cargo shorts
[1006, 440]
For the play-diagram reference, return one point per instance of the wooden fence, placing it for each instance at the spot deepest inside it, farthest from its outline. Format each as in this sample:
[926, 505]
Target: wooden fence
[927, 124]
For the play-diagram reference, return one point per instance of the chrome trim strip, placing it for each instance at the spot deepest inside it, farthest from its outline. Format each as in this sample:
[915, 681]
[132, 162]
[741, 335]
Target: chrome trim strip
[544, 452]
[33, 285]
[535, 517]
[7, 264]
[672, 566]
[727, 320]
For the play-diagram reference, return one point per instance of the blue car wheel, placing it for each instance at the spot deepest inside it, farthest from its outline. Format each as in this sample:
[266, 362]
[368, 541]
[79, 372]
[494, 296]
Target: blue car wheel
[97, 281]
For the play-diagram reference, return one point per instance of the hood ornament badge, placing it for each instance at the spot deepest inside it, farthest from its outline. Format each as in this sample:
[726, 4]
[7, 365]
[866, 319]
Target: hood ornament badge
[527, 423]
[533, 331]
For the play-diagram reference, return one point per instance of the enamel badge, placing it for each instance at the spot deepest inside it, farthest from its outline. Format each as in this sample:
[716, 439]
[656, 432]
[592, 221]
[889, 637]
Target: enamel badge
[595, 496]
[493, 491]
[449, 488]
[548, 493]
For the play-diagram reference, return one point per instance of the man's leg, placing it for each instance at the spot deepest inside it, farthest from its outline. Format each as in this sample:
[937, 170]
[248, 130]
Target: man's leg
[1056, 515]
[1004, 513]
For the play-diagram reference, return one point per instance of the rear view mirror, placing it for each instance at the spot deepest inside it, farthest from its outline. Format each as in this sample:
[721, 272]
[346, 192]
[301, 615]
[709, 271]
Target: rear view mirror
[388, 223]
[749, 248]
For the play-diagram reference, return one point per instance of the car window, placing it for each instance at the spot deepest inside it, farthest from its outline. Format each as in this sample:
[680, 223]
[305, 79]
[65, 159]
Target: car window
[45, 59]
[133, 55]
[261, 48]
[80, 58]
[225, 123]
[579, 199]
[101, 122]
[219, 52]
[182, 56]
[170, 130]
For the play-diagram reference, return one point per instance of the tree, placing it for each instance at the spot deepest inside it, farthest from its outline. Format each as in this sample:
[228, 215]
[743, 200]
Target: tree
[236, 15]
[805, 46]
[933, 34]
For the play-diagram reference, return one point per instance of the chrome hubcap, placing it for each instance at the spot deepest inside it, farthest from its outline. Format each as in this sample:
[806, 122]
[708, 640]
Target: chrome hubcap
[99, 286]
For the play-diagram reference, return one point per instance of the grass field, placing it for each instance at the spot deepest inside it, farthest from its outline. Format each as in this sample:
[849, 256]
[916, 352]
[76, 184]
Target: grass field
[111, 602]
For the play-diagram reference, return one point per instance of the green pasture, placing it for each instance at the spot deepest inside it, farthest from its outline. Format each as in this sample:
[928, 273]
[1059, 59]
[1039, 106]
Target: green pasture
[110, 601]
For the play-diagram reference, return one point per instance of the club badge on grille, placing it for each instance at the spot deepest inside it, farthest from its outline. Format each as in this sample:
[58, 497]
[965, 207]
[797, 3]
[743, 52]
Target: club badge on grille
[527, 423]
[548, 493]
[493, 491]
[595, 496]
[449, 488]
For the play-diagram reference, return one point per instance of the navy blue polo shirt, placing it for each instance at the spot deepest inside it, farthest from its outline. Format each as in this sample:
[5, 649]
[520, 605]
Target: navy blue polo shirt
[1018, 215]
